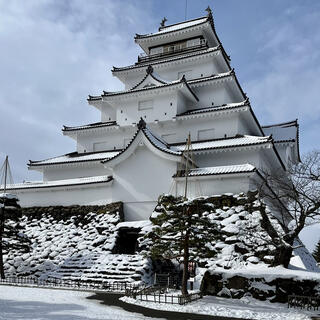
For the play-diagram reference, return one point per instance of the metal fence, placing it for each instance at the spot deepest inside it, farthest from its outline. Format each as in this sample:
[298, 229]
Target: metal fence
[157, 294]
[118, 286]
[304, 302]
[167, 298]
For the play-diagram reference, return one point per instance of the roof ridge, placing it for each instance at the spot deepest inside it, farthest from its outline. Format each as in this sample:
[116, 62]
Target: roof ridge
[162, 31]
[186, 21]
[93, 125]
[293, 122]
[178, 57]
[225, 105]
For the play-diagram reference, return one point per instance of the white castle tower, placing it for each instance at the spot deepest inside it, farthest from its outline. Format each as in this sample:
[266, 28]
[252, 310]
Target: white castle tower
[182, 83]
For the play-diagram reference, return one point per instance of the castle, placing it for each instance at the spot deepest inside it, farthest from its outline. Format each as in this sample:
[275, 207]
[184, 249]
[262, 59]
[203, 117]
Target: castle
[182, 84]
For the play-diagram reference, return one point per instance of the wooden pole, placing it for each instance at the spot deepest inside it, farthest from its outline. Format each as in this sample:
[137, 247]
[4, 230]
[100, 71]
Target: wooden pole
[5, 175]
[2, 210]
[186, 171]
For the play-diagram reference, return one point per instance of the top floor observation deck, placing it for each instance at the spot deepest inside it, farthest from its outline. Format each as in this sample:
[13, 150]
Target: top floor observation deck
[173, 49]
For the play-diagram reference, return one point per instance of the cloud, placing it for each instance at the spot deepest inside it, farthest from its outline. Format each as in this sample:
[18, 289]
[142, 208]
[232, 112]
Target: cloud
[286, 85]
[53, 54]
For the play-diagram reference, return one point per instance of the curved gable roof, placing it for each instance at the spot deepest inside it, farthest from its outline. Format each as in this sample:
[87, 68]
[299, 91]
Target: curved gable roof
[151, 141]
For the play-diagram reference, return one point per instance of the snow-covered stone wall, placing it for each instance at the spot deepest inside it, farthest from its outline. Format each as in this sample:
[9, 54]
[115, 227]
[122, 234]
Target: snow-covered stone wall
[76, 243]
[275, 284]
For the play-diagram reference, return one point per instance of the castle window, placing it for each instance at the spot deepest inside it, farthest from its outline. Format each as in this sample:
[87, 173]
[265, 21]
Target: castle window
[145, 105]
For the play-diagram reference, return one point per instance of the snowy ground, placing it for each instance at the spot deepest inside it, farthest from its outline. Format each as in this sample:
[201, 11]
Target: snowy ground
[244, 308]
[44, 304]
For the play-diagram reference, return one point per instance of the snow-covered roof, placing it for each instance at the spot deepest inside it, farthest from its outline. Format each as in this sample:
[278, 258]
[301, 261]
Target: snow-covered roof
[286, 131]
[152, 75]
[174, 27]
[60, 183]
[216, 77]
[155, 141]
[75, 157]
[215, 108]
[157, 84]
[160, 143]
[240, 168]
[201, 52]
[90, 126]
[237, 141]
[182, 25]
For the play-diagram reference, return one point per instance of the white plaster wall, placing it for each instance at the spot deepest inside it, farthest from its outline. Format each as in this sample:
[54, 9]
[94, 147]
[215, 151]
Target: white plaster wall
[284, 152]
[164, 108]
[252, 156]
[208, 186]
[135, 211]
[217, 94]
[87, 195]
[224, 125]
[108, 113]
[113, 139]
[141, 178]
[199, 68]
[70, 172]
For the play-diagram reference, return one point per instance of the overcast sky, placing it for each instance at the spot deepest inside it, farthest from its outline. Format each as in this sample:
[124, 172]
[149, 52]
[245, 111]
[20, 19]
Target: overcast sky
[56, 52]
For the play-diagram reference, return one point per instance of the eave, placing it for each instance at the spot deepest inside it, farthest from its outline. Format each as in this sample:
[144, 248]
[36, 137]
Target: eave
[129, 94]
[145, 136]
[211, 52]
[62, 184]
[142, 40]
[92, 127]
[80, 159]
[217, 170]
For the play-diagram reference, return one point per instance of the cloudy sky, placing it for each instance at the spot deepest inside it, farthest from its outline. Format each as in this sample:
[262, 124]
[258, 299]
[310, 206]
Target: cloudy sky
[56, 52]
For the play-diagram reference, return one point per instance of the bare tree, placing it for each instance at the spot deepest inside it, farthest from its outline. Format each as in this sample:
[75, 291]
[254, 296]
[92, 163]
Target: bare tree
[294, 198]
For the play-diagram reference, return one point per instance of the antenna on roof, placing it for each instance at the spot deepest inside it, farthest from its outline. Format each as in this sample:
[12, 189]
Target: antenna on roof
[185, 10]
[163, 22]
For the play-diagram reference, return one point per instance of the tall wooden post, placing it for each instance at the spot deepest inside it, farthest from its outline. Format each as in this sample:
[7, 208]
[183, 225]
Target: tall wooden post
[2, 212]
[186, 171]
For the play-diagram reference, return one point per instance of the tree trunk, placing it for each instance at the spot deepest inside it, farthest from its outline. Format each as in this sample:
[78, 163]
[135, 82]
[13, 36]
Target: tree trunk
[184, 288]
[283, 256]
[1, 236]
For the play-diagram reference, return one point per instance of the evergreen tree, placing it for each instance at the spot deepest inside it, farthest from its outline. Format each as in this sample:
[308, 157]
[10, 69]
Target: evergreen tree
[182, 230]
[11, 236]
[316, 252]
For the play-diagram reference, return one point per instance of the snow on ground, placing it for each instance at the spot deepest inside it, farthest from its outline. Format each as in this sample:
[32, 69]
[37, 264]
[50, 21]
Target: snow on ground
[43, 304]
[244, 308]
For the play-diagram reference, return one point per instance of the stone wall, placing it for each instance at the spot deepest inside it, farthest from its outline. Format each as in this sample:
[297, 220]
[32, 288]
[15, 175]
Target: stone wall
[65, 212]
[275, 289]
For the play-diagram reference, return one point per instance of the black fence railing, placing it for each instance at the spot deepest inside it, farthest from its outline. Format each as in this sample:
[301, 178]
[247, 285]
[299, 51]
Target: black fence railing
[159, 297]
[304, 302]
[158, 294]
[117, 286]
[144, 57]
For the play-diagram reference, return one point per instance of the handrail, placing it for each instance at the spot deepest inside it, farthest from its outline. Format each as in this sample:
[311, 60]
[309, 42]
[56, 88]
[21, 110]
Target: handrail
[143, 57]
